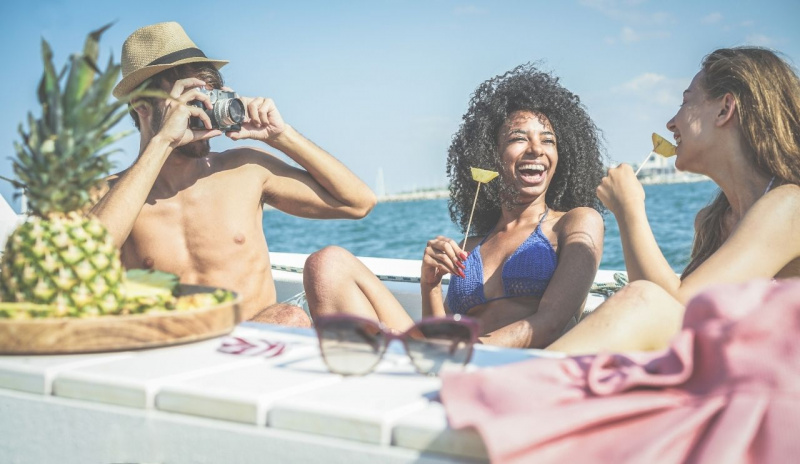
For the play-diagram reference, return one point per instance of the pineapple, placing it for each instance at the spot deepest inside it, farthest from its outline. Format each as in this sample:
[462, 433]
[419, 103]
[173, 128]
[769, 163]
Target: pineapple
[59, 256]
[149, 291]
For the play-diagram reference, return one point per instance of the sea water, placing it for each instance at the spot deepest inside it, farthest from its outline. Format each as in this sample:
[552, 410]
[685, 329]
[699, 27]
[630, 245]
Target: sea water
[401, 229]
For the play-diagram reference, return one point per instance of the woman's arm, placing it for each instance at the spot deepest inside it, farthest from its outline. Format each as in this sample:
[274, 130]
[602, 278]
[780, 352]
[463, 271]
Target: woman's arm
[580, 245]
[623, 195]
[442, 256]
[764, 242]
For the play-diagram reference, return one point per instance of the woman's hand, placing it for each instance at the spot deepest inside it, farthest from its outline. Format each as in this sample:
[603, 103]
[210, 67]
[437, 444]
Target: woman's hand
[442, 256]
[620, 191]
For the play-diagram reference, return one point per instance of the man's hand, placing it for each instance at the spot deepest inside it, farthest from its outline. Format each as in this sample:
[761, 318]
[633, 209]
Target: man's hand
[175, 123]
[263, 121]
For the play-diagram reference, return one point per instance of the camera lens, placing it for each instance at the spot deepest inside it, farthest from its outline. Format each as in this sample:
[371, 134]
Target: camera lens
[229, 112]
[236, 111]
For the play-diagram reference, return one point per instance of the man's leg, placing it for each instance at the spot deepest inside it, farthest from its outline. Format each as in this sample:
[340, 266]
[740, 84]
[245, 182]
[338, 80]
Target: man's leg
[283, 314]
[640, 317]
[337, 282]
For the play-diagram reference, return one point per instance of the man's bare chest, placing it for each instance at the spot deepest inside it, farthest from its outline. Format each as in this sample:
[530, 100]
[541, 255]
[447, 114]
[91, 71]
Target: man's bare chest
[193, 229]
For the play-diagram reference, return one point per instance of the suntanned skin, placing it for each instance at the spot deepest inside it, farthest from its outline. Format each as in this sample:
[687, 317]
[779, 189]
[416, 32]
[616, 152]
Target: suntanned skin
[761, 238]
[576, 235]
[182, 209]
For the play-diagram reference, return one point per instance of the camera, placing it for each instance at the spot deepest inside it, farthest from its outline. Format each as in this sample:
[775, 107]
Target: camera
[226, 114]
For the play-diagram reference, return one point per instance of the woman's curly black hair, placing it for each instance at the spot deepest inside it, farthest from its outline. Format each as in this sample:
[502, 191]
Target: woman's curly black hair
[580, 161]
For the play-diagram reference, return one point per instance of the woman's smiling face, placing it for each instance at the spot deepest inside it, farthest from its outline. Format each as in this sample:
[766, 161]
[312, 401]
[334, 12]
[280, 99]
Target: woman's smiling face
[691, 127]
[529, 153]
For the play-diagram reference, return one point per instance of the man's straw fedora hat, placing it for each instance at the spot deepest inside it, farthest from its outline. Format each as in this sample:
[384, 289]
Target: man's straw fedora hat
[152, 49]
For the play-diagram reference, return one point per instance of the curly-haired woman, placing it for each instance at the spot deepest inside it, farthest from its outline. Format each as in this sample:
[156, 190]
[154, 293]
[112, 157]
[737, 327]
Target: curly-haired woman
[739, 124]
[539, 236]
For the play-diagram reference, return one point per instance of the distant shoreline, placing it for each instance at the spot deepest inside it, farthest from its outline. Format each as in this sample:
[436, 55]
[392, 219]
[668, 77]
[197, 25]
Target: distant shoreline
[680, 178]
[411, 196]
[444, 193]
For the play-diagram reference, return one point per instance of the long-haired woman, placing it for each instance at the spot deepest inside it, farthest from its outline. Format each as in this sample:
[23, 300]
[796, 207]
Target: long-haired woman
[739, 124]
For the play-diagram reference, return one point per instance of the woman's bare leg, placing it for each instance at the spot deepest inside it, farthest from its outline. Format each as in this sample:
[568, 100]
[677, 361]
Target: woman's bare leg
[337, 282]
[640, 317]
[283, 314]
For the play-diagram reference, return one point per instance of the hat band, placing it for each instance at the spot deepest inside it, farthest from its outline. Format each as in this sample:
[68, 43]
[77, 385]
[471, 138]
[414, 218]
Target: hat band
[179, 55]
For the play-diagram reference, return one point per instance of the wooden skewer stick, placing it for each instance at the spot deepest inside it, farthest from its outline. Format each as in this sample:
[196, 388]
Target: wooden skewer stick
[643, 163]
[469, 223]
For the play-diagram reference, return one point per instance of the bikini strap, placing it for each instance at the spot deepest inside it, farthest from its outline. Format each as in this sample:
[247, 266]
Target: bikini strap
[544, 216]
[539, 225]
[769, 186]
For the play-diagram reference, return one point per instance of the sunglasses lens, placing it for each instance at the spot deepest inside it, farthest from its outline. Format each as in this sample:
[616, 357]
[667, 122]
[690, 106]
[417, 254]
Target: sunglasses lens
[439, 345]
[351, 347]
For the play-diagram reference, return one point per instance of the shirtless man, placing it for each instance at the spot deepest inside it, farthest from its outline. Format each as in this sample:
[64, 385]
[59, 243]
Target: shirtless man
[183, 209]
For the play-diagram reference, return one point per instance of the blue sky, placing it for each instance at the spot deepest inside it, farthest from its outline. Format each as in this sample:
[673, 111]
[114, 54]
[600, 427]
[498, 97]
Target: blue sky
[383, 84]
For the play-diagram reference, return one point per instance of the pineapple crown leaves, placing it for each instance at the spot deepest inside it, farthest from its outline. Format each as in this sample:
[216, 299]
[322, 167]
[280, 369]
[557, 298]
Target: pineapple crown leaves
[61, 161]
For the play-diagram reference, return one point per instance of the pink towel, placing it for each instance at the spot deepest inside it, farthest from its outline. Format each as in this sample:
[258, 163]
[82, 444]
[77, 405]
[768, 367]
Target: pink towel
[726, 391]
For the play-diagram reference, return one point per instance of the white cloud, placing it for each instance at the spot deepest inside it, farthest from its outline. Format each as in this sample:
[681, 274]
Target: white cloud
[629, 11]
[760, 40]
[468, 10]
[712, 18]
[630, 35]
[653, 88]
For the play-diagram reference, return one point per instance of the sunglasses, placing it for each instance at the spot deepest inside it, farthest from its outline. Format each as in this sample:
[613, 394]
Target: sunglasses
[353, 345]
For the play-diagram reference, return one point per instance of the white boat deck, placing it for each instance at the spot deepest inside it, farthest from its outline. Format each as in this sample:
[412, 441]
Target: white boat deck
[194, 404]
[401, 276]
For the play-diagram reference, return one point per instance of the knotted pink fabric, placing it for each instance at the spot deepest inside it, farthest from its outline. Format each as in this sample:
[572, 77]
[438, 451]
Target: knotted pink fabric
[726, 391]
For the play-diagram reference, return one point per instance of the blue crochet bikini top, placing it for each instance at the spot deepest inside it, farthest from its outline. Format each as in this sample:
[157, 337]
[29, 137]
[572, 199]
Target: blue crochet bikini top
[525, 273]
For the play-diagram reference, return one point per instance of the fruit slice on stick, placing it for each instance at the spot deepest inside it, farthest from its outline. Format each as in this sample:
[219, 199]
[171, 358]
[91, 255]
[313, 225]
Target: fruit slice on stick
[661, 146]
[481, 176]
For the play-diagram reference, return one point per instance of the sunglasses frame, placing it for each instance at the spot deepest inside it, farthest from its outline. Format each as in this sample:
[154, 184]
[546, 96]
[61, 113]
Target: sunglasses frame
[388, 335]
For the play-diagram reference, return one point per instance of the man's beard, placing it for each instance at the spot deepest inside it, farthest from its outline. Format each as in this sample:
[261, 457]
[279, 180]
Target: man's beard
[198, 149]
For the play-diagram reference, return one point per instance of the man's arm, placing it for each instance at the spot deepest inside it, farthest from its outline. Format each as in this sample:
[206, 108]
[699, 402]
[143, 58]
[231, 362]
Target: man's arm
[120, 204]
[325, 189]
[126, 193]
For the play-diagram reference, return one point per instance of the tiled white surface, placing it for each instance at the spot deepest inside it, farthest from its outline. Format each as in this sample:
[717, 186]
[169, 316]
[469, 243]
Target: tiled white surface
[244, 394]
[38, 429]
[428, 429]
[292, 392]
[133, 381]
[484, 356]
[358, 408]
[35, 374]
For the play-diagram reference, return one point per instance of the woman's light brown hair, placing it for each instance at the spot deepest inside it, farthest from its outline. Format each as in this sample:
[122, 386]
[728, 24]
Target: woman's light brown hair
[767, 94]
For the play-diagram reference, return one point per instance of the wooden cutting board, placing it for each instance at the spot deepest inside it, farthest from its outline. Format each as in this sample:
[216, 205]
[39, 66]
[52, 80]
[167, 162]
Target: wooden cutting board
[116, 333]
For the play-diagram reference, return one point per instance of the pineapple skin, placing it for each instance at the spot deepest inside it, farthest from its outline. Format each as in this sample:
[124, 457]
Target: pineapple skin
[60, 257]
[69, 261]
